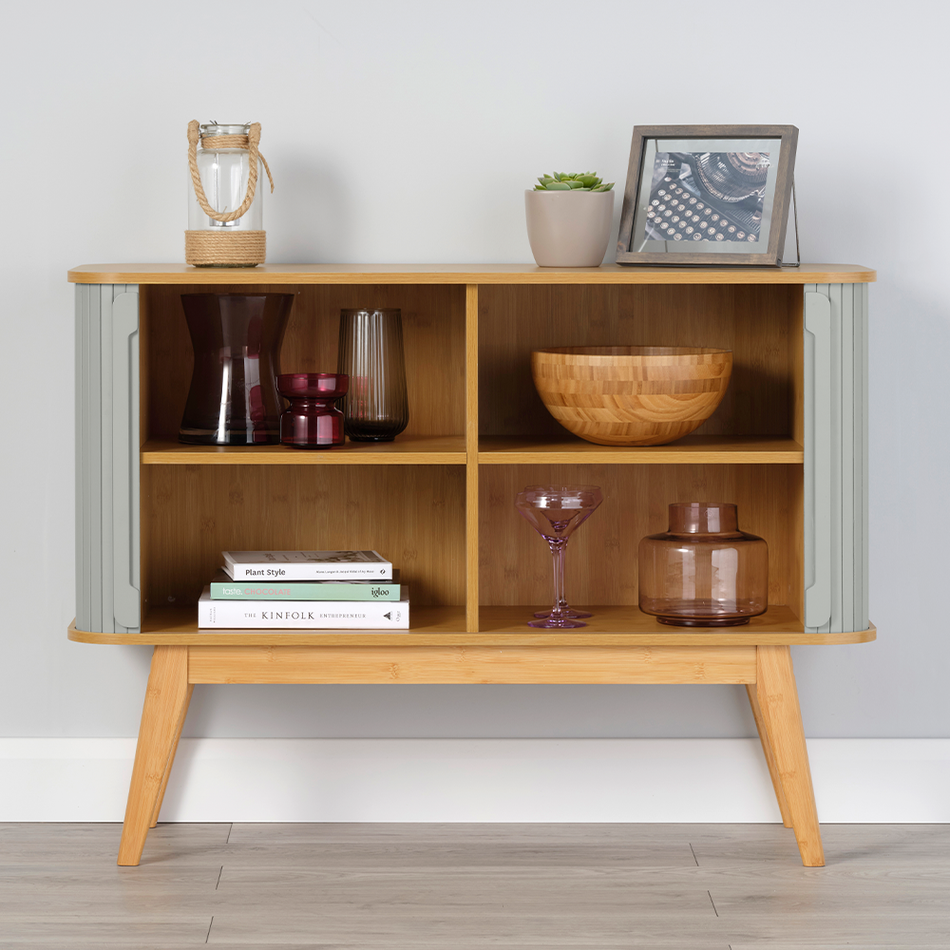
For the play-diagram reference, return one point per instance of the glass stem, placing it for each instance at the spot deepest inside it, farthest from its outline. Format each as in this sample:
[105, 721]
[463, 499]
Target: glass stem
[557, 552]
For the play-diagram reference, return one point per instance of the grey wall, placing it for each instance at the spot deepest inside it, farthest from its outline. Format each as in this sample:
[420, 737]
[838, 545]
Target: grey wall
[407, 132]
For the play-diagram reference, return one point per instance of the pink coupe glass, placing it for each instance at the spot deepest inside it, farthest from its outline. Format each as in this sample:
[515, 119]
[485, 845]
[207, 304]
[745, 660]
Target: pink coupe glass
[556, 512]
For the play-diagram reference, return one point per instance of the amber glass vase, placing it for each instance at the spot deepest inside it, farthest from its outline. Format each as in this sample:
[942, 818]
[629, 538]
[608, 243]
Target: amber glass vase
[704, 571]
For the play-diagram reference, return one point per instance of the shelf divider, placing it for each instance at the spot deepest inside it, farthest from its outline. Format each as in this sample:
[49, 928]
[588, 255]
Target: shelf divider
[690, 450]
[471, 456]
[405, 450]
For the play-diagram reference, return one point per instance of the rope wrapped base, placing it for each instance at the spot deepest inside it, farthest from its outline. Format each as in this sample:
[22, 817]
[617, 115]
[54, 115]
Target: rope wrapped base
[225, 248]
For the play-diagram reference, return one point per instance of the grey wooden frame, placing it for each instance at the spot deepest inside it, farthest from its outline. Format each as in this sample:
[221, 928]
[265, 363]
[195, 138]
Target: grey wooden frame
[788, 142]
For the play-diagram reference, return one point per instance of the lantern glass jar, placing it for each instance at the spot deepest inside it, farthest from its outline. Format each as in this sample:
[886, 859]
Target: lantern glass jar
[224, 173]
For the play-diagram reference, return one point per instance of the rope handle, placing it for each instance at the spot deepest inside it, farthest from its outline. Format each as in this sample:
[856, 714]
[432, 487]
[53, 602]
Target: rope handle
[250, 142]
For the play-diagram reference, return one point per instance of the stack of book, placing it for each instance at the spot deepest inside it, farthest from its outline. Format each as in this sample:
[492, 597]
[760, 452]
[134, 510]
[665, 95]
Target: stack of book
[304, 590]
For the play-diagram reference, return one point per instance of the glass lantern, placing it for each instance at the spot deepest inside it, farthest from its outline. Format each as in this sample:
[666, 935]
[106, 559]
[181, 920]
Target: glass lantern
[225, 207]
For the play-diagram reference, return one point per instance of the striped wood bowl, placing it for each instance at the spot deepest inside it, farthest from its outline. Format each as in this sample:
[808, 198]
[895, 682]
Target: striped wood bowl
[631, 395]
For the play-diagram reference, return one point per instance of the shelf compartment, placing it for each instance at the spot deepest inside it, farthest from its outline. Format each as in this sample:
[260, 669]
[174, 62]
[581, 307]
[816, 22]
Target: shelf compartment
[433, 319]
[760, 325]
[405, 450]
[601, 562]
[414, 515]
[691, 450]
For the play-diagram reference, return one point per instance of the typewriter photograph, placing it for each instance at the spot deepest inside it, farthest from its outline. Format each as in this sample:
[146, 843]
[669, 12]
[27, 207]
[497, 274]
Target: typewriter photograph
[707, 195]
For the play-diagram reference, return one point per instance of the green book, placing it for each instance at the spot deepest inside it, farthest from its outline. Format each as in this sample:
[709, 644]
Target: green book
[223, 588]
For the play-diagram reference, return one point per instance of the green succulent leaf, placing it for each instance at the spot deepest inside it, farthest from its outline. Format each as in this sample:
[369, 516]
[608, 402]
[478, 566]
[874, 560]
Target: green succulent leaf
[573, 181]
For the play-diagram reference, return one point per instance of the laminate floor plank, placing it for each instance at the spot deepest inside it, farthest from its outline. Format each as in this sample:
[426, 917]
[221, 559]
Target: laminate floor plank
[73, 932]
[886, 942]
[555, 891]
[473, 930]
[446, 845]
[61, 843]
[821, 900]
[512, 855]
[525, 832]
[883, 845]
[786, 935]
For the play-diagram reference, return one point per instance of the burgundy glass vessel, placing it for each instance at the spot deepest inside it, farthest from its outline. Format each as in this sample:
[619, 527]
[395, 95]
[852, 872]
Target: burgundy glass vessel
[312, 421]
[704, 571]
[233, 396]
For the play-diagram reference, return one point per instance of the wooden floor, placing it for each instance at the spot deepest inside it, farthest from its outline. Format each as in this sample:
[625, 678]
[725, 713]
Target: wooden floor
[413, 887]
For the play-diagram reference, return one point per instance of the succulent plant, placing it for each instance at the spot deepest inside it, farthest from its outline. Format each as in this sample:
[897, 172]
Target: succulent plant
[578, 181]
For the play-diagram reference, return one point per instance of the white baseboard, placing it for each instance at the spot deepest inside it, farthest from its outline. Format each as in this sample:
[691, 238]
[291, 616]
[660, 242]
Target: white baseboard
[475, 780]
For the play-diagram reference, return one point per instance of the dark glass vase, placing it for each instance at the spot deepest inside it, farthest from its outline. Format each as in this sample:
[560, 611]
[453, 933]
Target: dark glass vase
[704, 571]
[233, 396]
[376, 408]
[312, 421]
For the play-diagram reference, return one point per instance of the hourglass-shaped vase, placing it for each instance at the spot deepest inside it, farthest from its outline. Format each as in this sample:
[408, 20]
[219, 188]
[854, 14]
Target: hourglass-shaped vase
[312, 421]
[236, 340]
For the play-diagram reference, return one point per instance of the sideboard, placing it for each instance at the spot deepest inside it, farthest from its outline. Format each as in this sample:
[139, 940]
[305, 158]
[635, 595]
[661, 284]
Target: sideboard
[788, 445]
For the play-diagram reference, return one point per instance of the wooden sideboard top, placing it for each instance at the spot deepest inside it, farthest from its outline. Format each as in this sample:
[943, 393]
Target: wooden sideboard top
[465, 274]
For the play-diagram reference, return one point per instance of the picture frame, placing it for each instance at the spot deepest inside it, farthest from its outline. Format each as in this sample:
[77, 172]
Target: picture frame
[707, 194]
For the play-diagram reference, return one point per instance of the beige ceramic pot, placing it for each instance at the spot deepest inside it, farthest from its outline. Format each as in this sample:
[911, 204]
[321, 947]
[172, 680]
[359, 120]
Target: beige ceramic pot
[569, 228]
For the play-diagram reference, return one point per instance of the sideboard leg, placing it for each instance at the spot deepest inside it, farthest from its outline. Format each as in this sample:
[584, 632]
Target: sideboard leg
[769, 755]
[166, 701]
[171, 759]
[781, 714]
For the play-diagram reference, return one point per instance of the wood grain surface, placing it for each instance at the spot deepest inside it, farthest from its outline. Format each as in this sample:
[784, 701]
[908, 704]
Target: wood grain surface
[631, 395]
[166, 702]
[411, 886]
[414, 515]
[611, 626]
[781, 717]
[470, 664]
[405, 450]
[464, 274]
[690, 450]
[754, 322]
[601, 559]
[433, 320]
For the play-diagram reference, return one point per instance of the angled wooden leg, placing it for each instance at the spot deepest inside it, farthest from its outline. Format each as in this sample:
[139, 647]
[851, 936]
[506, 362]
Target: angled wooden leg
[166, 701]
[769, 755]
[782, 717]
[171, 759]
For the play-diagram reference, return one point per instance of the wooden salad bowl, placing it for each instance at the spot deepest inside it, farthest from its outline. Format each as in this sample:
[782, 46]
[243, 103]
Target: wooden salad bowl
[631, 395]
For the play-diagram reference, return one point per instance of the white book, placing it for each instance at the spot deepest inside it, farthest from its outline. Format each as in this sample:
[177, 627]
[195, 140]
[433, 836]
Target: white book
[303, 614]
[307, 565]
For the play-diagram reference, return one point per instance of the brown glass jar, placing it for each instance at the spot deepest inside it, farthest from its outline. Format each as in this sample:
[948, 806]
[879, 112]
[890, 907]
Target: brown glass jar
[704, 571]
